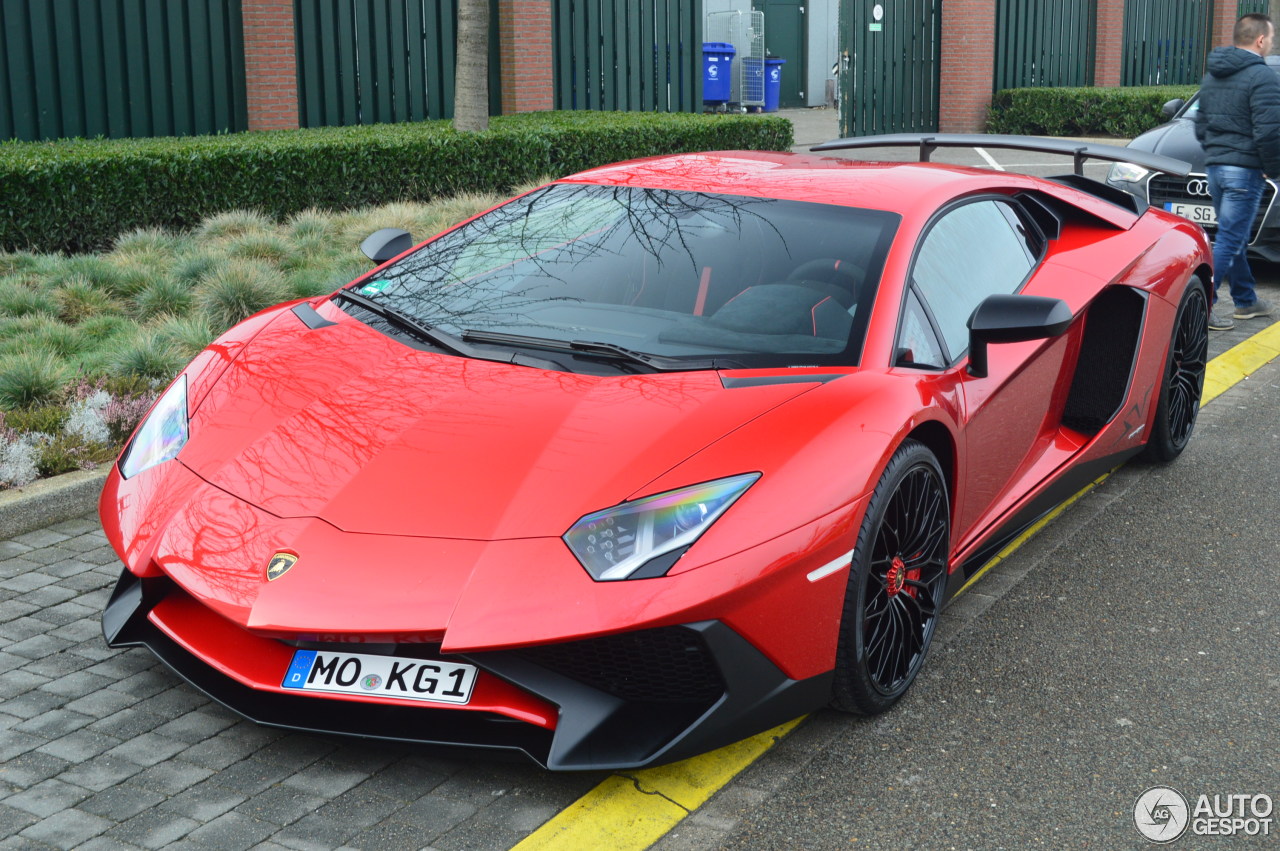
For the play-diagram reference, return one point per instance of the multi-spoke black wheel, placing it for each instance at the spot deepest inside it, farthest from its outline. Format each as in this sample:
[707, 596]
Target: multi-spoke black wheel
[895, 589]
[1183, 377]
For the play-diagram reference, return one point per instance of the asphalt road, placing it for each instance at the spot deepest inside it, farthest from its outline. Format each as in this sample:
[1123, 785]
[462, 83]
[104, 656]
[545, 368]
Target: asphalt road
[1132, 643]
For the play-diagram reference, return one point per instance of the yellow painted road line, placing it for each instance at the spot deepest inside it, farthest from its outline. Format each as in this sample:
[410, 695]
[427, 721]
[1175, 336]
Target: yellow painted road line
[630, 812]
[1238, 363]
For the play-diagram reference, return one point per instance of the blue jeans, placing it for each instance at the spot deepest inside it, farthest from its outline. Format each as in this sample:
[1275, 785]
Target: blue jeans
[1236, 192]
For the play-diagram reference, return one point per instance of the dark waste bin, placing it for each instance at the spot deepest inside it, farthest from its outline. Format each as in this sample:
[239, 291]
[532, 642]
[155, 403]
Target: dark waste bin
[717, 61]
[772, 83]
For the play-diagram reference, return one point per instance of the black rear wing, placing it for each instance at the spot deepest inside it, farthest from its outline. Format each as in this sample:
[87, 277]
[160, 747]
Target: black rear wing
[1079, 151]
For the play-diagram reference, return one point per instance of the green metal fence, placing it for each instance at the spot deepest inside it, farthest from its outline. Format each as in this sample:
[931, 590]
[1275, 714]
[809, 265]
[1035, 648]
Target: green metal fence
[635, 55]
[1252, 7]
[1166, 41]
[120, 68]
[1045, 43]
[890, 84]
[380, 61]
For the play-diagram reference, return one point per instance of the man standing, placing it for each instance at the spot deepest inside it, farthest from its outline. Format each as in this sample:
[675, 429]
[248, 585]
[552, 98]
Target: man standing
[1238, 124]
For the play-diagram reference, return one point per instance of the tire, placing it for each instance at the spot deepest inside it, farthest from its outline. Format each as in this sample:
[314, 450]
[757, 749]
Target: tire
[1183, 381]
[896, 584]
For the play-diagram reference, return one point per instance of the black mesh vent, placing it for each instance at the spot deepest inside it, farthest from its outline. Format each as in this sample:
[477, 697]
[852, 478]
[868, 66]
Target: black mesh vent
[665, 665]
[1112, 331]
[1164, 189]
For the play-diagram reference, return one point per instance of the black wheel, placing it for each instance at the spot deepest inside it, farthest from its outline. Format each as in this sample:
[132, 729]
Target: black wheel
[896, 584]
[1183, 382]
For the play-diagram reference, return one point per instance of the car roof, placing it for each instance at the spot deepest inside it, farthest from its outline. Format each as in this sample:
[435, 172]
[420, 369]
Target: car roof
[910, 189]
[892, 186]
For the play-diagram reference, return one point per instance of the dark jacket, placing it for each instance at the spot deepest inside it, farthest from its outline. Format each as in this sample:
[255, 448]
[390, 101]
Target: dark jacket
[1238, 122]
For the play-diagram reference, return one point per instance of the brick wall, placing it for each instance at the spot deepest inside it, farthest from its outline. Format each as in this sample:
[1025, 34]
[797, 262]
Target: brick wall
[1109, 48]
[1224, 21]
[271, 70]
[967, 68]
[524, 33]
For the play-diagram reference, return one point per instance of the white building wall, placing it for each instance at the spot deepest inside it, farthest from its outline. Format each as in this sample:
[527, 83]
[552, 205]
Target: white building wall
[823, 18]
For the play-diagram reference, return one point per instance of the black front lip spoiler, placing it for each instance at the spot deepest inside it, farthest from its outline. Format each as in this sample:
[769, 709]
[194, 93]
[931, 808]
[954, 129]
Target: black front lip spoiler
[595, 730]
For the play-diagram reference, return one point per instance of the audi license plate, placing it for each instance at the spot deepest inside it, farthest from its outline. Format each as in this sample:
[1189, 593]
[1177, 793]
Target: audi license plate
[384, 676]
[1199, 213]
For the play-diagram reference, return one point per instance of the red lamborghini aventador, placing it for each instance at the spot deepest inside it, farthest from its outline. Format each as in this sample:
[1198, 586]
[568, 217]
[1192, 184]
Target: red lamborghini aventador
[655, 456]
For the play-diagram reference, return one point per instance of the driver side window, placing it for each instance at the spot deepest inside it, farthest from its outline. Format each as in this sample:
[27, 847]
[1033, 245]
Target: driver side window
[973, 251]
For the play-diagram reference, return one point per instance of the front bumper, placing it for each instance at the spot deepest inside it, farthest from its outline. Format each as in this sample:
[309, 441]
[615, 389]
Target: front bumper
[620, 701]
[1161, 190]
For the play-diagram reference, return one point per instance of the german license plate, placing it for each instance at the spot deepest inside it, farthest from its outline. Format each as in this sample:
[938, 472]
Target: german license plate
[1199, 213]
[382, 676]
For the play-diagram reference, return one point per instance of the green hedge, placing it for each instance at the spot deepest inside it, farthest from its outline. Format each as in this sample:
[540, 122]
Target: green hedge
[1101, 111]
[78, 195]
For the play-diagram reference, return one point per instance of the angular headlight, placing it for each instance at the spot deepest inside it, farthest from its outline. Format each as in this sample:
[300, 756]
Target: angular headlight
[162, 434]
[653, 532]
[1127, 172]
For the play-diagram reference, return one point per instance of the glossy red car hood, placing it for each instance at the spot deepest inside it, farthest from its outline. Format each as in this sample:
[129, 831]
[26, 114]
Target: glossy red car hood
[344, 424]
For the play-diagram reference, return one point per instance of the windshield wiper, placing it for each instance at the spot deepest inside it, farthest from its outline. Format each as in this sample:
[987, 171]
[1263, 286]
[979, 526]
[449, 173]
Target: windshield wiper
[441, 339]
[444, 340]
[611, 351]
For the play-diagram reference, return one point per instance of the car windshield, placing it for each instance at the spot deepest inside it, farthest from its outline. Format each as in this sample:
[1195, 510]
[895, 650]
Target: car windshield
[672, 274]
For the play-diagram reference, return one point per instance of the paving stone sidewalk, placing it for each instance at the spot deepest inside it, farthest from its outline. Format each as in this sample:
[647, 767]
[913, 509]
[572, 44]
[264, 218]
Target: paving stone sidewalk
[106, 749]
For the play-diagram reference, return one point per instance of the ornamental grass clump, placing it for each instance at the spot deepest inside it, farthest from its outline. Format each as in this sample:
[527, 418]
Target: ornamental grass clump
[147, 354]
[78, 299]
[237, 289]
[267, 247]
[163, 297]
[149, 244]
[233, 223]
[97, 271]
[190, 335]
[45, 333]
[31, 378]
[22, 295]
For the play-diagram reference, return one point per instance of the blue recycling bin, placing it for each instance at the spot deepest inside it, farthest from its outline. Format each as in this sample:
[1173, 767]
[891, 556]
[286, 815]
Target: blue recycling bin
[717, 61]
[772, 83]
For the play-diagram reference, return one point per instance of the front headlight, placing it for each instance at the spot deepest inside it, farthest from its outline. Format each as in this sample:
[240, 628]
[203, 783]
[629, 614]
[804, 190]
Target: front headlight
[1127, 172]
[642, 539]
[162, 434]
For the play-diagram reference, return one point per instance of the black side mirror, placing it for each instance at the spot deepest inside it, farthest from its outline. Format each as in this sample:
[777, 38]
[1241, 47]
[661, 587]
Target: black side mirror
[1013, 319]
[1170, 108]
[382, 245]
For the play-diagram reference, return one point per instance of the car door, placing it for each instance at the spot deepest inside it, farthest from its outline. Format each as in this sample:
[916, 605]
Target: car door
[974, 249]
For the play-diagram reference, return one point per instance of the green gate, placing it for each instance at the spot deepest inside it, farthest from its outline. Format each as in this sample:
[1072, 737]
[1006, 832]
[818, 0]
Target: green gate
[889, 83]
[381, 61]
[120, 68]
[633, 55]
[1166, 41]
[1045, 43]
[785, 38]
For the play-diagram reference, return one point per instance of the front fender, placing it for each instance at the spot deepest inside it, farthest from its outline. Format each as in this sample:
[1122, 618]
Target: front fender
[821, 451]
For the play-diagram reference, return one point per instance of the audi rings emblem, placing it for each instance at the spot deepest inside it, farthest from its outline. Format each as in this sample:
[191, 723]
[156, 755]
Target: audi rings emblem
[1198, 186]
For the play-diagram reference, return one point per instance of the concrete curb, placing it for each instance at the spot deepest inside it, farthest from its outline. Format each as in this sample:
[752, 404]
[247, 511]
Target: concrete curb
[48, 501]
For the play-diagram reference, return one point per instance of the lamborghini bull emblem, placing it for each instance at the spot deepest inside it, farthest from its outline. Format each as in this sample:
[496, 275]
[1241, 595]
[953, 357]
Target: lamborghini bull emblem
[280, 564]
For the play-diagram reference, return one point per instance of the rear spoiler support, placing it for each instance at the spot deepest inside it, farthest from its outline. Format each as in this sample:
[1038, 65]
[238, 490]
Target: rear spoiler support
[1079, 151]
